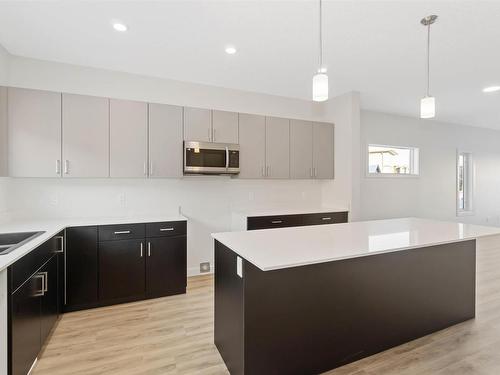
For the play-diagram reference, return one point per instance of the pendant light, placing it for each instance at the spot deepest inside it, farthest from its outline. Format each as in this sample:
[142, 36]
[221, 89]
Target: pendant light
[320, 79]
[428, 102]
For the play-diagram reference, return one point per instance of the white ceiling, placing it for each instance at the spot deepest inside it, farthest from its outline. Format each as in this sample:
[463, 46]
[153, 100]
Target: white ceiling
[374, 47]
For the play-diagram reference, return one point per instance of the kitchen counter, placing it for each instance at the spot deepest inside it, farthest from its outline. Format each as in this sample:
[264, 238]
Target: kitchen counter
[53, 226]
[308, 299]
[272, 249]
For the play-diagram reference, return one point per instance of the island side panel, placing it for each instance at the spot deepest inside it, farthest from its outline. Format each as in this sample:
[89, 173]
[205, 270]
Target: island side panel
[309, 319]
[228, 322]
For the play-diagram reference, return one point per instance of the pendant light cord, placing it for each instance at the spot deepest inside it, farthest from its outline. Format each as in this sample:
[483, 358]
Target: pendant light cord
[320, 38]
[428, 58]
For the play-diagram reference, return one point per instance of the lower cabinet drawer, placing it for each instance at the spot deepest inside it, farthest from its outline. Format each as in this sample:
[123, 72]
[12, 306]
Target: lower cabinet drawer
[121, 232]
[268, 222]
[325, 218]
[166, 229]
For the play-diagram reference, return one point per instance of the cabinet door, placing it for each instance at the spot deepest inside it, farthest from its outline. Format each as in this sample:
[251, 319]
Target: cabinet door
[301, 153]
[81, 267]
[166, 266]
[197, 124]
[121, 270]
[128, 138]
[323, 150]
[34, 131]
[49, 301]
[85, 142]
[277, 147]
[225, 127]
[252, 136]
[165, 140]
[3, 132]
[25, 325]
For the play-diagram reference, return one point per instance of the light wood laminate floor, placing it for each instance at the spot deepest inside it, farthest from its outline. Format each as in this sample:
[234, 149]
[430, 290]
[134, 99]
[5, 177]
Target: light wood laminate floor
[174, 335]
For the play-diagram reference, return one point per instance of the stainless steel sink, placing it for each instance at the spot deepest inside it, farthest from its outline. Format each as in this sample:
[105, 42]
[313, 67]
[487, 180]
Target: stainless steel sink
[11, 241]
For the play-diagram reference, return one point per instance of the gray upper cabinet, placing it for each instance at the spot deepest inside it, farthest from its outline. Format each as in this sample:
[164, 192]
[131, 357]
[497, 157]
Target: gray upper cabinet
[277, 147]
[3, 132]
[34, 133]
[301, 149]
[128, 138]
[323, 150]
[165, 140]
[85, 136]
[197, 124]
[224, 127]
[252, 131]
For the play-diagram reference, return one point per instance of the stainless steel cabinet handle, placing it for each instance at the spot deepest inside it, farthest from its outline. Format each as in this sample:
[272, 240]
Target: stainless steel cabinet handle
[122, 232]
[227, 157]
[142, 249]
[209, 135]
[213, 137]
[58, 166]
[144, 169]
[314, 169]
[61, 248]
[166, 229]
[40, 292]
[276, 221]
[326, 218]
[66, 167]
[268, 171]
[149, 249]
[46, 279]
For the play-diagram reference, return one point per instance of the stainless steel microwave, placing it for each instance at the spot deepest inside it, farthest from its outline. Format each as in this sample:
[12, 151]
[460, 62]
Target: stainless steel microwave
[211, 158]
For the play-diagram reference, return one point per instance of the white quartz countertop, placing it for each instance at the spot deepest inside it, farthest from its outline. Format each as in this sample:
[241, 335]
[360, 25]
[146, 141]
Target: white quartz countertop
[287, 211]
[271, 249]
[54, 226]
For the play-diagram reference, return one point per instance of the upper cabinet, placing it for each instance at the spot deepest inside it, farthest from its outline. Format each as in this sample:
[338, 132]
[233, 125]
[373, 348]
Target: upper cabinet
[301, 149]
[165, 140]
[34, 133]
[277, 147]
[252, 132]
[128, 138]
[323, 150]
[197, 124]
[224, 127]
[3, 132]
[85, 136]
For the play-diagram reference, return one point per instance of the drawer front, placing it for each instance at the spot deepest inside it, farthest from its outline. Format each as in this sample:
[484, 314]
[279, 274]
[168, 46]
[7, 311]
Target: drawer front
[166, 229]
[31, 262]
[121, 232]
[325, 218]
[268, 222]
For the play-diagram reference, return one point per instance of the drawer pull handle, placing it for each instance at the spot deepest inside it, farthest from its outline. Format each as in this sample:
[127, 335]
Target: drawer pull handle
[61, 248]
[326, 218]
[122, 232]
[142, 249]
[276, 221]
[166, 229]
[41, 292]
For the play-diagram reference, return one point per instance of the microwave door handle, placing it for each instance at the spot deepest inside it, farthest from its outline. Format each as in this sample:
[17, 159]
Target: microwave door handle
[227, 157]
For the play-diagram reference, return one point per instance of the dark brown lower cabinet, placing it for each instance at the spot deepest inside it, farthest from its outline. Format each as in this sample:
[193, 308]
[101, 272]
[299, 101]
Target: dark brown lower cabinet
[166, 266]
[25, 325]
[296, 220]
[49, 311]
[122, 270]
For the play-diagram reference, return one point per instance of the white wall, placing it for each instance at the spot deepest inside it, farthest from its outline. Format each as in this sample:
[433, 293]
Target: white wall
[433, 193]
[4, 65]
[207, 201]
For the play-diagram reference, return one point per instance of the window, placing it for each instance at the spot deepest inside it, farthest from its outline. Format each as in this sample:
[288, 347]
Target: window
[465, 183]
[391, 160]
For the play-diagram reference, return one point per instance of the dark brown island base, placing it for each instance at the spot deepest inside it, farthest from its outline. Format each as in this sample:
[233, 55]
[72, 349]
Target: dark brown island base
[311, 318]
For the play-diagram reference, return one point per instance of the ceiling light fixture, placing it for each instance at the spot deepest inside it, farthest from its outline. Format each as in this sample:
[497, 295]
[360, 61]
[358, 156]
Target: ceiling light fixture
[428, 102]
[320, 79]
[120, 26]
[230, 50]
[491, 89]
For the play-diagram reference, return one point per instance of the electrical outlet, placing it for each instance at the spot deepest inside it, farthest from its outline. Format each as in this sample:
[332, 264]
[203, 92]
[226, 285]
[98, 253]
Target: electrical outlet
[204, 267]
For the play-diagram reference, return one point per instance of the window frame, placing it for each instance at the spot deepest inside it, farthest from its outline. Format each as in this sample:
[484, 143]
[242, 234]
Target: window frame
[469, 183]
[415, 164]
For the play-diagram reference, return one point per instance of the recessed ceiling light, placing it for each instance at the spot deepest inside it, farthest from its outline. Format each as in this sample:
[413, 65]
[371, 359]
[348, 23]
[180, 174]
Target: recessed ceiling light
[120, 26]
[491, 89]
[230, 50]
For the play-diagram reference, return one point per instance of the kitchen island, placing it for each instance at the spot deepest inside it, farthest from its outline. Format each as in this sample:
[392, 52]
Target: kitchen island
[308, 299]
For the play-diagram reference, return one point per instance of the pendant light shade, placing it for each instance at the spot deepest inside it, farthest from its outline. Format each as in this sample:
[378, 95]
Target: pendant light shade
[428, 102]
[428, 107]
[320, 87]
[320, 79]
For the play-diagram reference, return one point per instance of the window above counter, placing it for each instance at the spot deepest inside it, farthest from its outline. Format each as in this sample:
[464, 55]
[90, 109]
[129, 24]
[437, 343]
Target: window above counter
[389, 161]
